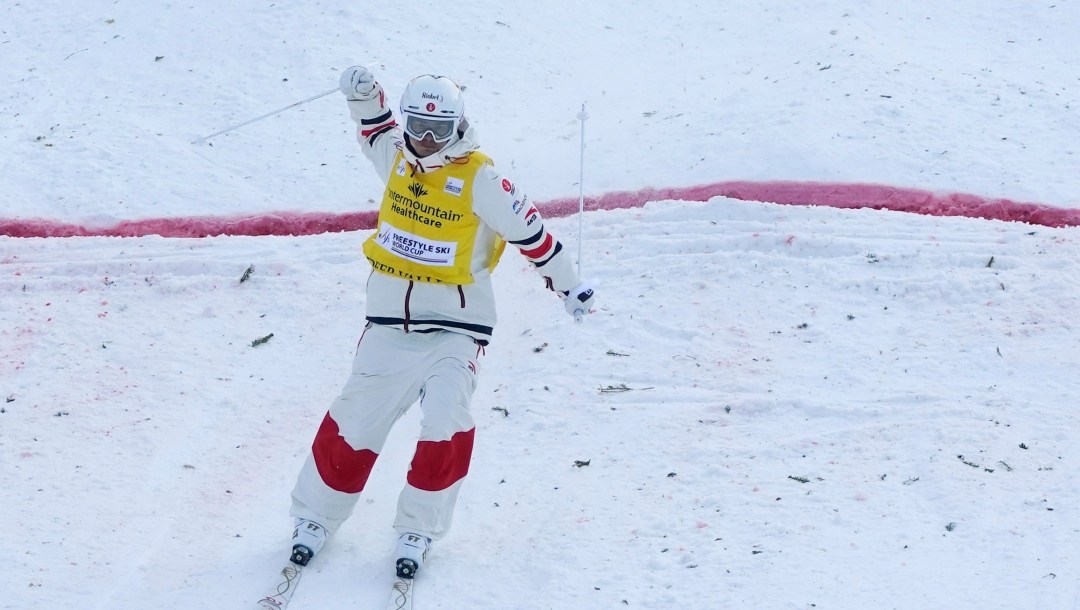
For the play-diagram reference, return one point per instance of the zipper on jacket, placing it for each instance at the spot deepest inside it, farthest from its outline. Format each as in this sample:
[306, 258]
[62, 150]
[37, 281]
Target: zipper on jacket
[408, 294]
[358, 341]
[461, 293]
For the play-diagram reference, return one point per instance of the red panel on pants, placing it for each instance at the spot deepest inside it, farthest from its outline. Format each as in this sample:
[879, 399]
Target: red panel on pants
[340, 466]
[439, 464]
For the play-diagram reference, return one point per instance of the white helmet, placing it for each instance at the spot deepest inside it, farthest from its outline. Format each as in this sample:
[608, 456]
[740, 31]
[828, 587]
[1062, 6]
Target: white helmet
[432, 104]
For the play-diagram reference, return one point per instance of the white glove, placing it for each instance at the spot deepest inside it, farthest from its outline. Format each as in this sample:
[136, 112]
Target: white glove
[357, 83]
[578, 301]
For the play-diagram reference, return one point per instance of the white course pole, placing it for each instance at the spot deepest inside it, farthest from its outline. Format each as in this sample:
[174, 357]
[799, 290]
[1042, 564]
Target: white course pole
[582, 116]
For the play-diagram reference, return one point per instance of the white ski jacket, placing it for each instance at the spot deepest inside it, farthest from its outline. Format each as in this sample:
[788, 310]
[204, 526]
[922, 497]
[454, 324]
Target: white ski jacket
[504, 212]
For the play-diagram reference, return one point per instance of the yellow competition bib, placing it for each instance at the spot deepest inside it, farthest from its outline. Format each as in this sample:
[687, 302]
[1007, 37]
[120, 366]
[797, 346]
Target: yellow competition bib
[427, 228]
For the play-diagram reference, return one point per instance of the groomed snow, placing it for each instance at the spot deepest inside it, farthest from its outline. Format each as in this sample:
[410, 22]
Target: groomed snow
[773, 406]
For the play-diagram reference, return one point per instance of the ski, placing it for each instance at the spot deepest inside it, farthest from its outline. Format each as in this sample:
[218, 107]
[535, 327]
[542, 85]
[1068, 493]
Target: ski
[401, 595]
[279, 598]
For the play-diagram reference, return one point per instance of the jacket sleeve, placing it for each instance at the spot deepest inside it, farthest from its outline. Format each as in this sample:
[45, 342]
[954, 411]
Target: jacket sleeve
[377, 131]
[505, 208]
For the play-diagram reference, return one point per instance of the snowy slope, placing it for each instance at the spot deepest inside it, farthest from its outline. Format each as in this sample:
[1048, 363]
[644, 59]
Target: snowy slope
[103, 102]
[155, 447]
[772, 407]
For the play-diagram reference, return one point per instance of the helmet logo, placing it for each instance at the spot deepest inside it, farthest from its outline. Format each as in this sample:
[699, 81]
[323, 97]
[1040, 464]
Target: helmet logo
[430, 107]
[431, 96]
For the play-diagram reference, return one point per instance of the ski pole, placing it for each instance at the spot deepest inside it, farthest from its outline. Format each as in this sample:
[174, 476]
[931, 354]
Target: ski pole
[581, 199]
[265, 116]
[278, 111]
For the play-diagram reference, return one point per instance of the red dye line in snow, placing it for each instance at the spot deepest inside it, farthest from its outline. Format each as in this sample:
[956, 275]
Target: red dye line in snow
[791, 193]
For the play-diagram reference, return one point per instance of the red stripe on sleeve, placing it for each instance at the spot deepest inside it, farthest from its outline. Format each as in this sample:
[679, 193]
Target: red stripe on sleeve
[541, 250]
[377, 128]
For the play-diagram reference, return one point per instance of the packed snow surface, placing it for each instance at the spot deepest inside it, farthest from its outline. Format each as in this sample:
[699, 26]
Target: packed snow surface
[772, 406]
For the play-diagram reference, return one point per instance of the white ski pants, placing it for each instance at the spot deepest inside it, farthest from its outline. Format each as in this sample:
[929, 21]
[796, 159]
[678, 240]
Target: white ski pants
[391, 371]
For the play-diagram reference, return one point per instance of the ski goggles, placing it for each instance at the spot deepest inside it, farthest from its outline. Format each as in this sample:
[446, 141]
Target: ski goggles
[418, 127]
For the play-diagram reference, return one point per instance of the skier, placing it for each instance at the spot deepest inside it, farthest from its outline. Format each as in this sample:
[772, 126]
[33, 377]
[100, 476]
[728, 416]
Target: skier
[445, 217]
